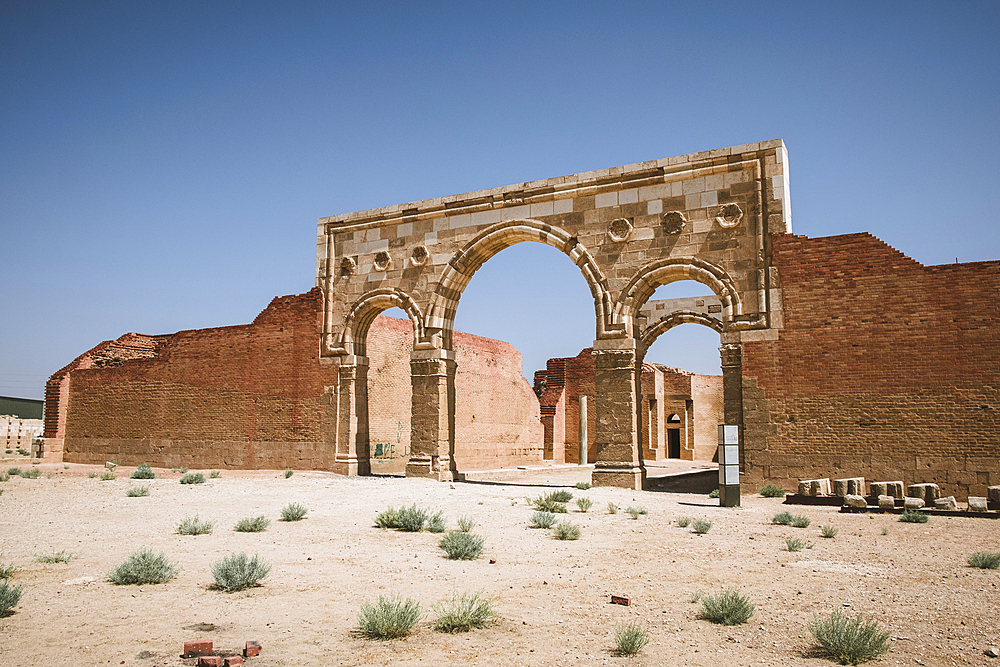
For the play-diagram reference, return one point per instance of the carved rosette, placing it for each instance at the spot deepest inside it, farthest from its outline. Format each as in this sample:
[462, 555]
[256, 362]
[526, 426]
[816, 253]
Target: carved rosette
[382, 260]
[419, 256]
[348, 266]
[729, 215]
[674, 222]
[619, 230]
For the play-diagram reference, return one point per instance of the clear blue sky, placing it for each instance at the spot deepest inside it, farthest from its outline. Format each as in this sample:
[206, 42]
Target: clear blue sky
[162, 164]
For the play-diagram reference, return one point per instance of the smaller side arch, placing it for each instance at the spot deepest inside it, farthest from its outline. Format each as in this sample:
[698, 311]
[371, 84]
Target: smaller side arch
[642, 285]
[653, 331]
[364, 311]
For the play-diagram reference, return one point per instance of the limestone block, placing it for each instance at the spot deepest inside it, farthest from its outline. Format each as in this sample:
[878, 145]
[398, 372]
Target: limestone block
[978, 504]
[948, 503]
[911, 503]
[926, 492]
[814, 487]
[854, 500]
[879, 488]
[894, 489]
[854, 486]
[993, 493]
[886, 502]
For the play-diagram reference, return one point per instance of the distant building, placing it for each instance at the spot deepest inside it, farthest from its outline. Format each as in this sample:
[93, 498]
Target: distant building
[21, 423]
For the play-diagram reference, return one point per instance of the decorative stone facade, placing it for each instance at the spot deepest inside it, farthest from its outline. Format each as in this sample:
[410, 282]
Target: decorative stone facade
[629, 229]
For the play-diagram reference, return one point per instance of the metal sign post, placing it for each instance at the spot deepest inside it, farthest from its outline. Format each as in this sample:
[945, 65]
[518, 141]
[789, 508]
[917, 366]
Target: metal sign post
[729, 466]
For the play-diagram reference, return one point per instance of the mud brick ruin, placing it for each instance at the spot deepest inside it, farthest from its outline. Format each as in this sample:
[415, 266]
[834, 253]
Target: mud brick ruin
[840, 355]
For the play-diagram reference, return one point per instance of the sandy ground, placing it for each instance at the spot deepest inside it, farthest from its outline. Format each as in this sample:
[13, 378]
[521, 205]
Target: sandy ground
[553, 596]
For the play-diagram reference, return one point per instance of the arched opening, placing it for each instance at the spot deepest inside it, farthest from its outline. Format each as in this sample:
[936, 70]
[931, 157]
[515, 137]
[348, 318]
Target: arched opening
[680, 374]
[389, 344]
[529, 297]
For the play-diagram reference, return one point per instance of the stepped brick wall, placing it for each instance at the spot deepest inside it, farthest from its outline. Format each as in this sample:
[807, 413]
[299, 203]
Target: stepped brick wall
[252, 396]
[885, 369]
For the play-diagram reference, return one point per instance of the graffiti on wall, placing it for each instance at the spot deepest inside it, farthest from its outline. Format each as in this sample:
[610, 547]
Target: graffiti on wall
[391, 450]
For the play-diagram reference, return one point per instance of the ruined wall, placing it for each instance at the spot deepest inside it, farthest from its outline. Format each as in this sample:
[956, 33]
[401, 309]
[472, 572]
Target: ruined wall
[885, 368]
[252, 396]
[708, 408]
[17, 433]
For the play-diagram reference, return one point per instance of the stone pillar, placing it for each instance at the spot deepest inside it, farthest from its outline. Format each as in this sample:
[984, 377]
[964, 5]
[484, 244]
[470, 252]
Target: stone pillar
[582, 437]
[352, 456]
[616, 429]
[732, 391]
[432, 421]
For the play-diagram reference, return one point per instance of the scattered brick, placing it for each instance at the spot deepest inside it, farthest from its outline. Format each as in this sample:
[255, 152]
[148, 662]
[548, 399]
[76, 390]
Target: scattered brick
[210, 661]
[252, 648]
[232, 660]
[197, 648]
[622, 600]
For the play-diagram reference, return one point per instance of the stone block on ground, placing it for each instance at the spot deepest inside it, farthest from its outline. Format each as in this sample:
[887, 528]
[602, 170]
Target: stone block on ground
[854, 486]
[197, 648]
[978, 504]
[814, 487]
[886, 502]
[948, 503]
[927, 492]
[854, 500]
[993, 493]
[911, 503]
[880, 488]
[895, 489]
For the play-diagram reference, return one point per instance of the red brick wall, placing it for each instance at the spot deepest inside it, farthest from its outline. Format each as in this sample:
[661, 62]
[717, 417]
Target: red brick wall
[885, 368]
[252, 396]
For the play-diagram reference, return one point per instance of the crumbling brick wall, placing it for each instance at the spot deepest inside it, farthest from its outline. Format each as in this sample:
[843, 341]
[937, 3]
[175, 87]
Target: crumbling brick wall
[885, 368]
[253, 396]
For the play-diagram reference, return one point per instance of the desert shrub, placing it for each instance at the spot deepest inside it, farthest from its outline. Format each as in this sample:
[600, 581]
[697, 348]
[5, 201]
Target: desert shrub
[636, 512]
[612, 508]
[828, 531]
[984, 560]
[35, 473]
[561, 496]
[143, 471]
[137, 492]
[436, 523]
[683, 521]
[466, 524]
[4, 477]
[714, 493]
[179, 470]
[801, 521]
[193, 478]
[885, 531]
[194, 526]
[464, 612]
[584, 504]
[13, 472]
[583, 486]
[388, 617]
[144, 567]
[256, 524]
[850, 641]
[727, 608]
[696, 596]
[412, 519]
[913, 516]
[289, 473]
[56, 557]
[387, 518]
[566, 531]
[540, 519]
[236, 572]
[107, 476]
[91, 475]
[462, 546]
[215, 474]
[795, 544]
[7, 571]
[23, 452]
[782, 518]
[771, 491]
[9, 451]
[630, 639]
[549, 503]
[293, 512]
[701, 526]
[9, 596]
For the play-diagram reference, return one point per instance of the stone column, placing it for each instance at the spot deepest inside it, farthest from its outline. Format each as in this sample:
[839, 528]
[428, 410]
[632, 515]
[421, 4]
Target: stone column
[352, 456]
[616, 427]
[732, 390]
[432, 420]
